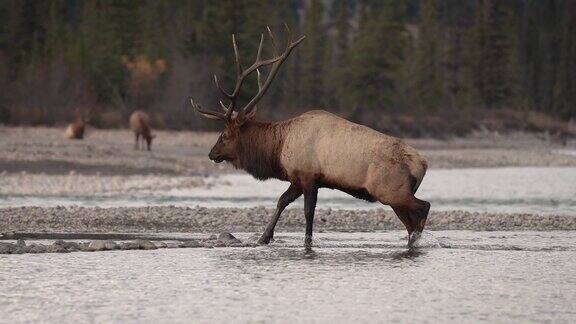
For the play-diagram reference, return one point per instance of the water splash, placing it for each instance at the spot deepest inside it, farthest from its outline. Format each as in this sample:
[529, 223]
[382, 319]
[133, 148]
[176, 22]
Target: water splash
[427, 240]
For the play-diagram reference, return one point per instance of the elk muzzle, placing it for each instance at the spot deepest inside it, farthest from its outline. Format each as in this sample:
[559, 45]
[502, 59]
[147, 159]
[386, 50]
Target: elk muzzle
[215, 155]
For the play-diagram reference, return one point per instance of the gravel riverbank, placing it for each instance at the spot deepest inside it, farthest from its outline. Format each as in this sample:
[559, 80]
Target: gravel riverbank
[40, 150]
[212, 220]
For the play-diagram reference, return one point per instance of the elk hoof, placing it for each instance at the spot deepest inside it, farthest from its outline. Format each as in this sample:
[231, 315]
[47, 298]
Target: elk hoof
[413, 238]
[264, 239]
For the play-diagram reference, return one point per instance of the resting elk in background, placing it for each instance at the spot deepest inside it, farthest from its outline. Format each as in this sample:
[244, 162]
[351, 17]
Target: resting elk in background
[316, 150]
[76, 129]
[140, 125]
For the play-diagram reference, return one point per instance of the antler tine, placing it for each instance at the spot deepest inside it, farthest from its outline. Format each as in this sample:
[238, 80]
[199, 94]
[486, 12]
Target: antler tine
[260, 48]
[259, 81]
[223, 106]
[274, 48]
[251, 106]
[253, 112]
[276, 60]
[224, 92]
[207, 113]
[289, 33]
[236, 57]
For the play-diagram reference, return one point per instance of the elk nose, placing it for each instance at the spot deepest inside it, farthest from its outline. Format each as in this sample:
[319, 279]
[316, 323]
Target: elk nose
[213, 156]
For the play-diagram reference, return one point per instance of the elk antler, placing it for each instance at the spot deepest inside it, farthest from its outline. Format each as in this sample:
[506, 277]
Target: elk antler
[250, 109]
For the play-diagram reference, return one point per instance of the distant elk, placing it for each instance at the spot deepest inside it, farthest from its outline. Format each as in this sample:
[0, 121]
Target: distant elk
[316, 150]
[140, 125]
[77, 128]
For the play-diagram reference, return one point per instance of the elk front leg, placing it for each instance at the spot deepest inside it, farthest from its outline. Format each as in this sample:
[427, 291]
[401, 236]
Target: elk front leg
[310, 197]
[286, 199]
[137, 139]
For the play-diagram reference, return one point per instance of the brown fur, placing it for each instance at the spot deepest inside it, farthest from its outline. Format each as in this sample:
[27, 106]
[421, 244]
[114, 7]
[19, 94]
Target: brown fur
[320, 150]
[140, 125]
[259, 149]
[75, 130]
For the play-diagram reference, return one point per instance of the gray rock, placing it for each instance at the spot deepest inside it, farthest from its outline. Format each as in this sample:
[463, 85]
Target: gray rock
[172, 245]
[146, 245]
[6, 248]
[36, 248]
[68, 246]
[56, 248]
[85, 246]
[209, 243]
[19, 250]
[71, 246]
[160, 245]
[97, 245]
[218, 244]
[129, 246]
[190, 244]
[21, 243]
[110, 245]
[228, 239]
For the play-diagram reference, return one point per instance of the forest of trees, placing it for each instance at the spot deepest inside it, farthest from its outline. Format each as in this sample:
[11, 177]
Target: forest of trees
[362, 59]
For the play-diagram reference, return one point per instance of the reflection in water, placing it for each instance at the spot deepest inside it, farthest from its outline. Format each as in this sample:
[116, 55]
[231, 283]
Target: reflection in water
[345, 277]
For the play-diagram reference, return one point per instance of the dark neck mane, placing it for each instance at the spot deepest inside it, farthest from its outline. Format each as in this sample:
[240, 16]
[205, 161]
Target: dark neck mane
[259, 149]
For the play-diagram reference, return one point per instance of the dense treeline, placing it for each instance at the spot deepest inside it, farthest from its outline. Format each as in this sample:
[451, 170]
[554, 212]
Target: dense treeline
[364, 59]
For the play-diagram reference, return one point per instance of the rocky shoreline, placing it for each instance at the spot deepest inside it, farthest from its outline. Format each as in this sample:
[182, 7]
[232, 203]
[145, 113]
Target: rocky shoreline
[61, 246]
[170, 219]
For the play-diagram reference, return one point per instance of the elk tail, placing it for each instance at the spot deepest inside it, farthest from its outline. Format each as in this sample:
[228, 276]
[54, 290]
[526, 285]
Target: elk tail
[417, 171]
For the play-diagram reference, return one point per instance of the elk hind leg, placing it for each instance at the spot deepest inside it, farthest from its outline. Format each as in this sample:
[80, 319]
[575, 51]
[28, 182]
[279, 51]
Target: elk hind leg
[418, 212]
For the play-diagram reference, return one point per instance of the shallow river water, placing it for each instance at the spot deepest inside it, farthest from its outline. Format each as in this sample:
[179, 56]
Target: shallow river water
[536, 190]
[456, 276]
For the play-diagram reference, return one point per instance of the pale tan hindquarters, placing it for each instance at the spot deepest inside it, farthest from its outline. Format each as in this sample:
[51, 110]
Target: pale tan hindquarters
[351, 157]
[323, 150]
[139, 123]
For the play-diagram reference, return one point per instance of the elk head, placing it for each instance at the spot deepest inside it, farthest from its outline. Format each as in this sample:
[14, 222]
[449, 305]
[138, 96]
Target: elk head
[234, 117]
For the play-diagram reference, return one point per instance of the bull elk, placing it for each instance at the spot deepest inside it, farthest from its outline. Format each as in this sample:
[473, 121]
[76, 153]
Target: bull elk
[140, 125]
[316, 150]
